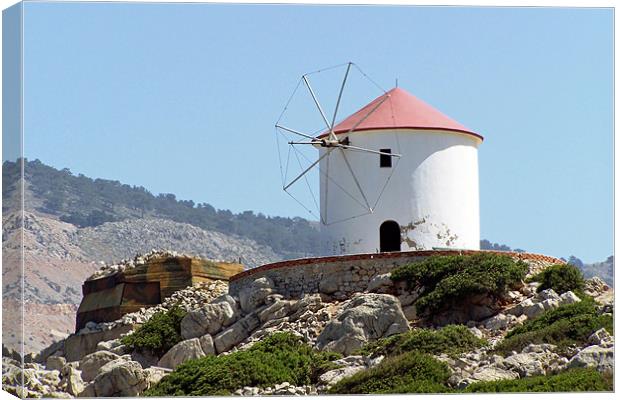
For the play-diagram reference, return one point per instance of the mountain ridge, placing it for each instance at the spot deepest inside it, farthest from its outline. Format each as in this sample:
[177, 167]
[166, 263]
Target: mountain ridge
[87, 202]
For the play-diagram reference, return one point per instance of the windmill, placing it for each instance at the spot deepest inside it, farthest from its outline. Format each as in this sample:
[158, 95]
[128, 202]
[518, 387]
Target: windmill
[336, 148]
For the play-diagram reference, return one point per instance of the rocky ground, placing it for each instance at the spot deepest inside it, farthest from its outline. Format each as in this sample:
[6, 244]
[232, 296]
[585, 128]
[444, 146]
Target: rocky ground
[218, 323]
[60, 256]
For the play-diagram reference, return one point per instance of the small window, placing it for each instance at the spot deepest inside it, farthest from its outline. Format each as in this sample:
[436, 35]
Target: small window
[385, 161]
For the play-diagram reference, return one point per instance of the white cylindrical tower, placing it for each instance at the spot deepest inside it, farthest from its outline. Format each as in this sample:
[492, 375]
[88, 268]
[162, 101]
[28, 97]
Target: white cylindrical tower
[427, 198]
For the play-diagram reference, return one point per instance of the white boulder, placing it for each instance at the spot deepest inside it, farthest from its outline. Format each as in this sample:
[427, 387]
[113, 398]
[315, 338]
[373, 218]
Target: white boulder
[254, 294]
[187, 350]
[367, 317]
[236, 333]
[72, 381]
[91, 363]
[333, 376]
[601, 338]
[499, 321]
[492, 373]
[533, 310]
[210, 318]
[118, 378]
[601, 358]
[569, 298]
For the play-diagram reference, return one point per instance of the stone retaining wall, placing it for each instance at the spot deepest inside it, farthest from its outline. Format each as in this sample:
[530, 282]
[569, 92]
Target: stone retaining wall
[341, 276]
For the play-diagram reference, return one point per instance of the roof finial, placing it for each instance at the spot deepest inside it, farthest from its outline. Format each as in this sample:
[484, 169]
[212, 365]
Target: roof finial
[396, 82]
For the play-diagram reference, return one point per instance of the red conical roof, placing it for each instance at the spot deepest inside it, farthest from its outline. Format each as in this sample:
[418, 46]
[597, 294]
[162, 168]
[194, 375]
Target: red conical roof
[400, 110]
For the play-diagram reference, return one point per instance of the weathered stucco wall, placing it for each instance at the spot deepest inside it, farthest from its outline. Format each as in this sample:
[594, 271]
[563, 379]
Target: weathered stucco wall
[341, 276]
[431, 192]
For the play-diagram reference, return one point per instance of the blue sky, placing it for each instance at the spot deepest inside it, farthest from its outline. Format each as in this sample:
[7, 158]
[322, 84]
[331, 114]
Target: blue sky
[182, 98]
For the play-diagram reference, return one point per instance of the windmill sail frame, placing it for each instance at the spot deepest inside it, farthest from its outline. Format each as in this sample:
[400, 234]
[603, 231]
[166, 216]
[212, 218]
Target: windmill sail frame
[329, 140]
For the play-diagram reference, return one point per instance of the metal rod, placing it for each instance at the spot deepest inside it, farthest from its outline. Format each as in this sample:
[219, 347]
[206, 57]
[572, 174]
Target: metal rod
[308, 169]
[315, 142]
[346, 74]
[346, 146]
[307, 183]
[359, 187]
[324, 217]
[334, 182]
[349, 218]
[316, 101]
[295, 132]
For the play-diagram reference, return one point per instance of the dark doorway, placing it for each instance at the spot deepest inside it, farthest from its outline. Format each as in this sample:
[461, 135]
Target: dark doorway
[389, 236]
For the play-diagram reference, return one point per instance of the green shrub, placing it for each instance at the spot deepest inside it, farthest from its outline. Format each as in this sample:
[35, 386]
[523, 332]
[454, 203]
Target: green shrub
[561, 278]
[411, 372]
[573, 380]
[159, 333]
[451, 340]
[563, 326]
[282, 357]
[447, 280]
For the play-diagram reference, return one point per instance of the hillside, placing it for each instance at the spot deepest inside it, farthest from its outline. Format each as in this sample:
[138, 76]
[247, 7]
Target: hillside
[73, 223]
[87, 202]
[113, 241]
[59, 256]
[476, 327]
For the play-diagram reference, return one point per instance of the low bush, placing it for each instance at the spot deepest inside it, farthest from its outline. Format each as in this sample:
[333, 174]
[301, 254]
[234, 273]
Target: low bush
[159, 333]
[411, 372]
[282, 357]
[561, 278]
[451, 340]
[447, 280]
[563, 326]
[573, 380]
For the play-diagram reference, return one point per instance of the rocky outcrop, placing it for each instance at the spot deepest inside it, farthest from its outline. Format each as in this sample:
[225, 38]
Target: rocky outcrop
[236, 333]
[348, 366]
[533, 361]
[545, 300]
[366, 317]
[306, 317]
[72, 381]
[601, 338]
[218, 323]
[187, 350]
[598, 289]
[483, 365]
[499, 321]
[60, 256]
[595, 356]
[254, 295]
[92, 363]
[210, 318]
[595, 287]
[120, 377]
[280, 389]
[493, 373]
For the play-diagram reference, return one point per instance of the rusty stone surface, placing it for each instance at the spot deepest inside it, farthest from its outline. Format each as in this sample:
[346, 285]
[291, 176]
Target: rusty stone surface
[110, 297]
